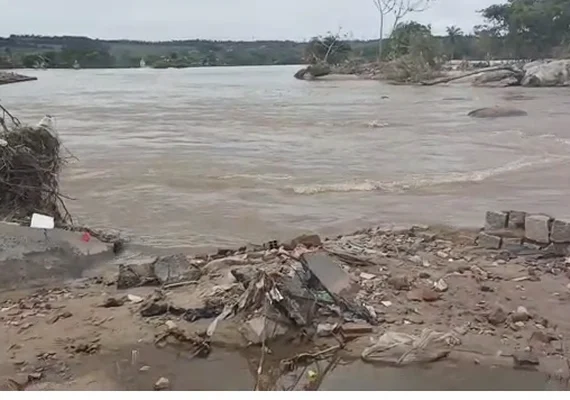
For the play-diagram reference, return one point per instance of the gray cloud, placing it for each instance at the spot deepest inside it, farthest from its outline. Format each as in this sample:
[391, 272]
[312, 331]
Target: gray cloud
[216, 19]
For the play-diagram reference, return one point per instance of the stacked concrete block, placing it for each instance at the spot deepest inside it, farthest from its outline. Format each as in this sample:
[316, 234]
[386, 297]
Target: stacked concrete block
[513, 229]
[537, 228]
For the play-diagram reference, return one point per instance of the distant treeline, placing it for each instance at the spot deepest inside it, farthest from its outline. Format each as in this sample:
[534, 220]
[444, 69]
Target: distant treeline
[29, 51]
[515, 29]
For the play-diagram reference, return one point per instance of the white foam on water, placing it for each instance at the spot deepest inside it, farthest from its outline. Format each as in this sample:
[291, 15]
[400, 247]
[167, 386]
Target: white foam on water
[416, 182]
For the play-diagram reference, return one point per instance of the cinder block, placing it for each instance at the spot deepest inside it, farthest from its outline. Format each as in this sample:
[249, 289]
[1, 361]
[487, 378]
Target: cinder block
[560, 231]
[495, 220]
[516, 220]
[489, 241]
[537, 228]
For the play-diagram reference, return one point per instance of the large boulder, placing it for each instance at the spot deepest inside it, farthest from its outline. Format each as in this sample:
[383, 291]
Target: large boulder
[313, 71]
[496, 112]
[500, 78]
[547, 73]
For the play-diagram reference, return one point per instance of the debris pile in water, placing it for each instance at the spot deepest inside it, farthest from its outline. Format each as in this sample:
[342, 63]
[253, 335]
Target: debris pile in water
[30, 163]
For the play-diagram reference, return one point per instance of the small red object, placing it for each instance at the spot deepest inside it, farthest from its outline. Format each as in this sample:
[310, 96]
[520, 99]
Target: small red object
[86, 237]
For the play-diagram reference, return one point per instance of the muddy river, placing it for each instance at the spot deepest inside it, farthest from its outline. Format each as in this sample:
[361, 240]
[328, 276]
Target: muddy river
[223, 156]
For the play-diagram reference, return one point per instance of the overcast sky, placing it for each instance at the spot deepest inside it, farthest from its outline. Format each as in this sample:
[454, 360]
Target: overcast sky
[216, 19]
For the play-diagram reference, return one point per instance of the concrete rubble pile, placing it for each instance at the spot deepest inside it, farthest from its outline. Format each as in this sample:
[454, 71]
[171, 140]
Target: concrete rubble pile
[373, 281]
[387, 295]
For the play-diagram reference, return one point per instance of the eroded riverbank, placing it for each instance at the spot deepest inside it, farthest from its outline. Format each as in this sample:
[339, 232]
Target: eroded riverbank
[491, 312]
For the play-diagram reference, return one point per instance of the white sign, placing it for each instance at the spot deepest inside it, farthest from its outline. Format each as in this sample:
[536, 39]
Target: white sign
[40, 221]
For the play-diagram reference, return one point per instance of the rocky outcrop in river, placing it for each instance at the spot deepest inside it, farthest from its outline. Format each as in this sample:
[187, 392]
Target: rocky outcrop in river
[543, 73]
[549, 73]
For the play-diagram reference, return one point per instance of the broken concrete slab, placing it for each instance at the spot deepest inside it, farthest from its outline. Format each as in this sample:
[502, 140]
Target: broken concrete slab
[28, 254]
[327, 271]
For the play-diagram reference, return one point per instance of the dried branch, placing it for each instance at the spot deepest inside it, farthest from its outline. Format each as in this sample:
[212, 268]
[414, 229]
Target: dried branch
[30, 163]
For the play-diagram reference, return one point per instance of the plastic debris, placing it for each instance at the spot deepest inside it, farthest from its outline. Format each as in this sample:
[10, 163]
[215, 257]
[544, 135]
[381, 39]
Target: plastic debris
[401, 348]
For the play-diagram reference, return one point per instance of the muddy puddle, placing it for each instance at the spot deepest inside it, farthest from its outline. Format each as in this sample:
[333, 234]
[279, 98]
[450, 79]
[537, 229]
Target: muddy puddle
[231, 370]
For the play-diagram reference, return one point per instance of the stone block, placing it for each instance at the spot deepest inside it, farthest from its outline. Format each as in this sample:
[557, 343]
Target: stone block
[560, 231]
[537, 228]
[516, 220]
[489, 241]
[495, 220]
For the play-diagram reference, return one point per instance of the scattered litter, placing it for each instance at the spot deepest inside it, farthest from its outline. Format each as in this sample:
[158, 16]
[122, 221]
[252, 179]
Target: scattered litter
[325, 330]
[404, 349]
[386, 303]
[86, 237]
[135, 299]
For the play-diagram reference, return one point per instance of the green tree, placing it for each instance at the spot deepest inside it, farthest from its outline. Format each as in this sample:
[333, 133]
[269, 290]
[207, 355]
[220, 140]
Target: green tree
[407, 38]
[454, 36]
[530, 28]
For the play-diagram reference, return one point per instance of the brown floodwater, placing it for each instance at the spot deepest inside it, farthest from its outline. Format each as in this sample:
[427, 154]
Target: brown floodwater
[223, 156]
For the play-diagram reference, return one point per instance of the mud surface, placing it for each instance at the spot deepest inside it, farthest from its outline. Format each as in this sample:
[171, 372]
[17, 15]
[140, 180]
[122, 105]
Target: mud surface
[72, 336]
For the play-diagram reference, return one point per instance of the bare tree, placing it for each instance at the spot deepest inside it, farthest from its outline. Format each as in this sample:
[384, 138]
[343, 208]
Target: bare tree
[399, 9]
[323, 48]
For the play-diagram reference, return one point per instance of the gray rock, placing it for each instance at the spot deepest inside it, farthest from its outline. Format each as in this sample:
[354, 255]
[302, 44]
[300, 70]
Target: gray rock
[489, 241]
[520, 315]
[399, 282]
[560, 231]
[139, 273]
[547, 73]
[495, 220]
[497, 316]
[496, 112]
[306, 240]
[516, 220]
[537, 228]
[525, 359]
[162, 384]
[175, 268]
[501, 78]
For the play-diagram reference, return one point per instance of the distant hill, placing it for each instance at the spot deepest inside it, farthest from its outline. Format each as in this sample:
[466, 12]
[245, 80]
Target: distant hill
[62, 51]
